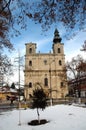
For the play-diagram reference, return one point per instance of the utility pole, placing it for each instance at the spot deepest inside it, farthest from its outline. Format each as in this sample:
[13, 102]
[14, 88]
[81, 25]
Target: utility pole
[19, 90]
[50, 87]
[18, 60]
[50, 81]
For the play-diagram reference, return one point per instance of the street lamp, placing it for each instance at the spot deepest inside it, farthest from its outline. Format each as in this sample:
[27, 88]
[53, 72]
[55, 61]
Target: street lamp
[19, 94]
[19, 103]
[50, 82]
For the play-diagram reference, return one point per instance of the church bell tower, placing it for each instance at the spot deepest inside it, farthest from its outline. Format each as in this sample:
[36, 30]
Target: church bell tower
[57, 45]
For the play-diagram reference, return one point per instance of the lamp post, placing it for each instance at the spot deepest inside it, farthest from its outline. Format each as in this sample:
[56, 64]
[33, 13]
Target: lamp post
[19, 103]
[50, 88]
[50, 82]
[19, 94]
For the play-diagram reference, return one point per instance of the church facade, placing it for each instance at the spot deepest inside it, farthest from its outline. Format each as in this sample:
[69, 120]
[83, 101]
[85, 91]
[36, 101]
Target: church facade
[46, 70]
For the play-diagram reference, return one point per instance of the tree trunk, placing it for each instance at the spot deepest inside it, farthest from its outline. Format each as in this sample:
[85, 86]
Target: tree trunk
[38, 116]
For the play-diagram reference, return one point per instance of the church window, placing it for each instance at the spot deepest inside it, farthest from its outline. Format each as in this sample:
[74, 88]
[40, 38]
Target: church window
[30, 50]
[62, 84]
[45, 82]
[59, 51]
[60, 62]
[30, 63]
[30, 85]
[45, 62]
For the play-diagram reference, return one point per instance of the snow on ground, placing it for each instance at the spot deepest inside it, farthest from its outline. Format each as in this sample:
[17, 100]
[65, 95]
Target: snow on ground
[60, 117]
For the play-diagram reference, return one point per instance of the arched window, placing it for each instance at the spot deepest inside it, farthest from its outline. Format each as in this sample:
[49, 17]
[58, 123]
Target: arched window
[62, 84]
[30, 50]
[46, 82]
[45, 62]
[30, 85]
[59, 51]
[60, 62]
[30, 63]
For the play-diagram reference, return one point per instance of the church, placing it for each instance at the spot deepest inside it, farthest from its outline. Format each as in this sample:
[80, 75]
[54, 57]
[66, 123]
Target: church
[46, 70]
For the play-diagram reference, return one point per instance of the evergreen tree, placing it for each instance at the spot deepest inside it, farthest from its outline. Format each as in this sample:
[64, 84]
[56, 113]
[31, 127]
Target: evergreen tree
[39, 100]
[13, 86]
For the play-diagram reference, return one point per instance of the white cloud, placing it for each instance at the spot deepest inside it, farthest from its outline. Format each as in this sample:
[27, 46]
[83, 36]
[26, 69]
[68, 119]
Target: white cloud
[72, 47]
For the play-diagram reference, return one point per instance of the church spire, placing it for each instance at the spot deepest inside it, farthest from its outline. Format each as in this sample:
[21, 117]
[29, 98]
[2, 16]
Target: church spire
[56, 36]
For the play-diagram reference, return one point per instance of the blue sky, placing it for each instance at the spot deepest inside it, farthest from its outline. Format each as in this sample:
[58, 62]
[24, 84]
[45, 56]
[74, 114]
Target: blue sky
[44, 41]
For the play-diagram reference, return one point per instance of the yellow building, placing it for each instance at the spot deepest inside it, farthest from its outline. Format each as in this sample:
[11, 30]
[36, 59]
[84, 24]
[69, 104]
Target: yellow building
[3, 95]
[46, 70]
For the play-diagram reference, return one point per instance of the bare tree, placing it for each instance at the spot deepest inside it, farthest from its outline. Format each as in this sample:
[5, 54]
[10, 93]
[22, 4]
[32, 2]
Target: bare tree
[5, 66]
[70, 13]
[14, 16]
[5, 23]
[76, 71]
[84, 46]
[72, 66]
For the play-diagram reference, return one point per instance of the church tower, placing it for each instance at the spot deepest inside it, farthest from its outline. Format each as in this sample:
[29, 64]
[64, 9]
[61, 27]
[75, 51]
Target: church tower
[57, 45]
[30, 48]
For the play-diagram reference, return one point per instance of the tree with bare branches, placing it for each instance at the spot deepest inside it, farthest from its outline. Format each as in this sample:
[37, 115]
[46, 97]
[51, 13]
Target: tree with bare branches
[5, 66]
[72, 66]
[14, 16]
[77, 73]
[84, 46]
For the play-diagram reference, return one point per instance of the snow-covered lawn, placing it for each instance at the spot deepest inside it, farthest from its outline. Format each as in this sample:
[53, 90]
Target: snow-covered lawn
[60, 117]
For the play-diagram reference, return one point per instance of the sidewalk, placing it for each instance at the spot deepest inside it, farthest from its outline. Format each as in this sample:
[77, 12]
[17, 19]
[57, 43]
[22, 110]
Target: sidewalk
[79, 105]
[7, 105]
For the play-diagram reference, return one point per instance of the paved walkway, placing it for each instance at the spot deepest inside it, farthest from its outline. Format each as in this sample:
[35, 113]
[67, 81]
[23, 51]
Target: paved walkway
[7, 105]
